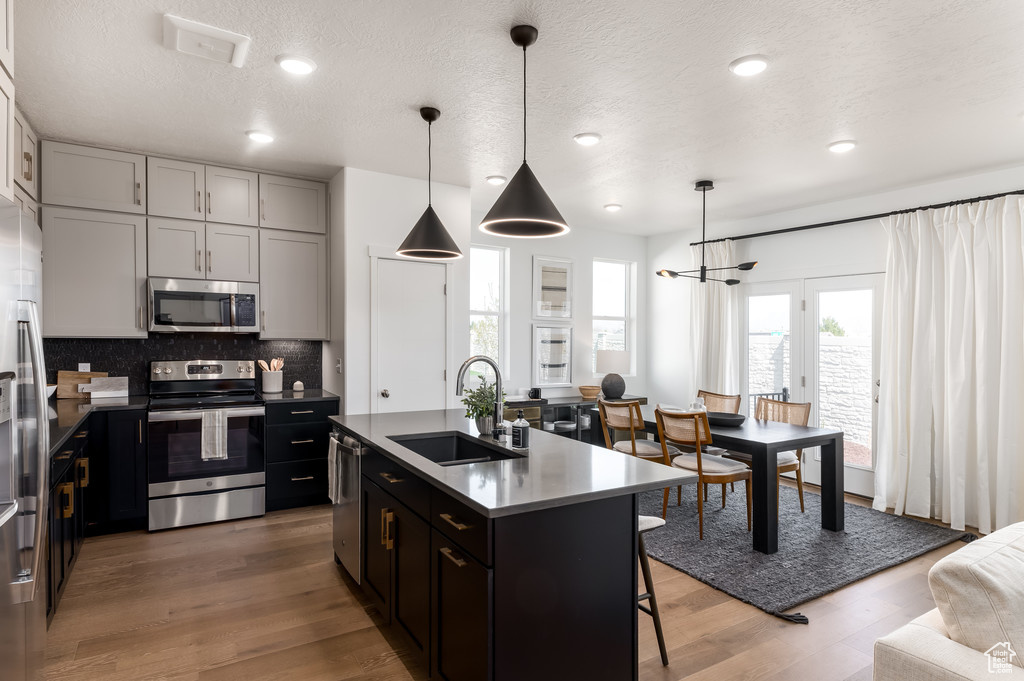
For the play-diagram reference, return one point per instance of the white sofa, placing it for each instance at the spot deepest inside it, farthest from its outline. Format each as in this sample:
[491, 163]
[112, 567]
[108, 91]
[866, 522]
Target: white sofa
[976, 630]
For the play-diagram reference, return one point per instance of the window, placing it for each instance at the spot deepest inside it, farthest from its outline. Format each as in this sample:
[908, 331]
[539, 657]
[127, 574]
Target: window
[613, 308]
[487, 308]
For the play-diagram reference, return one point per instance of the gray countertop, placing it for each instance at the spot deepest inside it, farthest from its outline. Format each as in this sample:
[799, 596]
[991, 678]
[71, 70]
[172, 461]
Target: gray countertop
[557, 471]
[307, 395]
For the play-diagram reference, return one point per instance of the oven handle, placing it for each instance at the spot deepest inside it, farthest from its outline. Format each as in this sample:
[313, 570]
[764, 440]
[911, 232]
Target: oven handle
[197, 414]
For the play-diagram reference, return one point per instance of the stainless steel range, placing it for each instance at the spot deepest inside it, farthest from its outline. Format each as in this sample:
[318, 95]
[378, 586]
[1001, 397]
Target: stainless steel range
[206, 460]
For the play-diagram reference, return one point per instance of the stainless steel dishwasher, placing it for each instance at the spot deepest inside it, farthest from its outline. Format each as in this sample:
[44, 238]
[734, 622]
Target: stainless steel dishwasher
[346, 452]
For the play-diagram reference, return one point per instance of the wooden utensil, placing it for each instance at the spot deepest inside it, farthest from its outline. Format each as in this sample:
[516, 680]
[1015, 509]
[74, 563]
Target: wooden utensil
[263, 365]
[67, 383]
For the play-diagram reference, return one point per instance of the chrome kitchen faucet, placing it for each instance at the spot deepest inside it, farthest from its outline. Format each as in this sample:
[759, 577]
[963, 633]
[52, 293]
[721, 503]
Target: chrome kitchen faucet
[498, 401]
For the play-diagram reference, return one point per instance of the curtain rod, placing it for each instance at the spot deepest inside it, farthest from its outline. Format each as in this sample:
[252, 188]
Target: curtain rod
[860, 219]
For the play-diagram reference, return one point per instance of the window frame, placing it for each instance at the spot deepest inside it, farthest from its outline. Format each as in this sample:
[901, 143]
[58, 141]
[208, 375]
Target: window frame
[502, 314]
[629, 320]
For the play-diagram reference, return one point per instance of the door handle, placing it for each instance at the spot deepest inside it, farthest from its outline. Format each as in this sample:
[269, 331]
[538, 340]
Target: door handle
[308, 477]
[199, 201]
[138, 193]
[307, 411]
[390, 477]
[28, 160]
[67, 490]
[263, 210]
[385, 393]
[447, 517]
[301, 442]
[447, 553]
[199, 261]
[209, 203]
[83, 472]
[209, 261]
[386, 540]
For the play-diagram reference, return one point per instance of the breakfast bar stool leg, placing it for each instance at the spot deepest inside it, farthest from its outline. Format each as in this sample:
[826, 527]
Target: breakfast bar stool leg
[645, 567]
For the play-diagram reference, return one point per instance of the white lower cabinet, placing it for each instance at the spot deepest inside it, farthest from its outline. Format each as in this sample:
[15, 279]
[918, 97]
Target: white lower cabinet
[293, 285]
[94, 274]
[182, 249]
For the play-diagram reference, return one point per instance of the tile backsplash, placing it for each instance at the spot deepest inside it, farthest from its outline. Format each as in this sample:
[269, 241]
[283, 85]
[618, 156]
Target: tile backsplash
[131, 357]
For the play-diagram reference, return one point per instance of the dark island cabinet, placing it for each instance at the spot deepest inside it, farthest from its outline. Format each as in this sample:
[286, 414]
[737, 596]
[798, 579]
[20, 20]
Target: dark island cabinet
[396, 563]
[69, 476]
[461, 595]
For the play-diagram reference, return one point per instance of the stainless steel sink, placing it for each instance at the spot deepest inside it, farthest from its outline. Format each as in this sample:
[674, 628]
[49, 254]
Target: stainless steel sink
[454, 448]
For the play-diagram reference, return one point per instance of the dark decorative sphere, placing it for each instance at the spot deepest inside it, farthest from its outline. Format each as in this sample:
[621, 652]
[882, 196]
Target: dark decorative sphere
[613, 386]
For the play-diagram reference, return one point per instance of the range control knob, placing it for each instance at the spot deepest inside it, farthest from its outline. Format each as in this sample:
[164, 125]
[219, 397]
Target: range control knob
[156, 370]
[167, 370]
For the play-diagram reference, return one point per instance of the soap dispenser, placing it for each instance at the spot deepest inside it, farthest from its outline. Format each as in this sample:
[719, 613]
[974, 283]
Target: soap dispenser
[520, 432]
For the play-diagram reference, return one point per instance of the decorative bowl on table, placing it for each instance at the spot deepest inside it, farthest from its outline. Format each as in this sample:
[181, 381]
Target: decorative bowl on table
[721, 418]
[590, 392]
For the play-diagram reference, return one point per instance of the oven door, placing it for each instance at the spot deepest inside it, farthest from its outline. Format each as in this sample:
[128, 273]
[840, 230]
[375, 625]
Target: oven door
[176, 461]
[183, 305]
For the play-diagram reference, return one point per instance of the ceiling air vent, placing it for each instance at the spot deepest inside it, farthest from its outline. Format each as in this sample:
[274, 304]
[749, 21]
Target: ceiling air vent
[201, 40]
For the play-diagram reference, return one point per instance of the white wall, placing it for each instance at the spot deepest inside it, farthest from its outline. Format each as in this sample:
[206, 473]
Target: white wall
[855, 248]
[376, 210]
[581, 245]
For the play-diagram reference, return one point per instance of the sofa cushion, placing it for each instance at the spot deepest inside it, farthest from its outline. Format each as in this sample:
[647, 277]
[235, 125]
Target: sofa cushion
[979, 591]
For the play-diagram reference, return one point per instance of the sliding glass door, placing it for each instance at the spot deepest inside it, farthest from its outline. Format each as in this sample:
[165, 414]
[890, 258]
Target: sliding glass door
[816, 340]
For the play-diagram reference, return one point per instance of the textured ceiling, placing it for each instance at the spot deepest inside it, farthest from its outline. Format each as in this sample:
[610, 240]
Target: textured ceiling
[930, 88]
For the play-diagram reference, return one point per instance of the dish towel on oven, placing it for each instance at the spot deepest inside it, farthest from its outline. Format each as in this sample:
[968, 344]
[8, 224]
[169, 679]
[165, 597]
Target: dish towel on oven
[215, 435]
[333, 470]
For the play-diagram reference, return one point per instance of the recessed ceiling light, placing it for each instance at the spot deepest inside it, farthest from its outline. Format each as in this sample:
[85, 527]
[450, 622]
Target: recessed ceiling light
[587, 139]
[297, 65]
[496, 180]
[751, 65]
[842, 146]
[613, 207]
[259, 136]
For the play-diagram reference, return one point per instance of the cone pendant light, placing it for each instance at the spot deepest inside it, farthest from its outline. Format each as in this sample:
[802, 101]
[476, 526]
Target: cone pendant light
[524, 209]
[429, 240]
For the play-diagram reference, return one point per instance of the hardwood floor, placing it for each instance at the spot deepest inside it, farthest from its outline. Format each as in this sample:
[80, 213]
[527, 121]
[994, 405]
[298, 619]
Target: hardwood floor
[263, 599]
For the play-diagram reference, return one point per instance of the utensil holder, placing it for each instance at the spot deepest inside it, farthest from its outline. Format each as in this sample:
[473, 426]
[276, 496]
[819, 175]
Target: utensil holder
[272, 381]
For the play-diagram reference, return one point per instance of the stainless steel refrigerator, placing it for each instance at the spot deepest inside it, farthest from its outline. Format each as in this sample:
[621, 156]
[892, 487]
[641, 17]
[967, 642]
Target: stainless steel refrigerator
[24, 449]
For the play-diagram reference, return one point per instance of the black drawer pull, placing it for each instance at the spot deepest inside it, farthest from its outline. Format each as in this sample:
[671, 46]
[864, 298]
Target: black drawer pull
[447, 552]
[390, 477]
[308, 477]
[308, 411]
[447, 517]
[302, 442]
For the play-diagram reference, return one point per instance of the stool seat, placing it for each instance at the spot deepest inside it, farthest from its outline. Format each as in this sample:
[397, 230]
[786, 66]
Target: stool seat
[649, 522]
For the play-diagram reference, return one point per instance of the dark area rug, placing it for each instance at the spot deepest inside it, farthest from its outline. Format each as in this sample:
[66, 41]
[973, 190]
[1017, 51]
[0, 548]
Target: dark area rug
[811, 562]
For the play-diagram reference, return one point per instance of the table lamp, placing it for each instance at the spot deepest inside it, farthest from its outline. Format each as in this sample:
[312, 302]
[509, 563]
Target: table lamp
[611, 363]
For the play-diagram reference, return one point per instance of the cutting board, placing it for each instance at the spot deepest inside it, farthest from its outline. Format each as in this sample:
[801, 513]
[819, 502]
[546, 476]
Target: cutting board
[116, 386]
[67, 383]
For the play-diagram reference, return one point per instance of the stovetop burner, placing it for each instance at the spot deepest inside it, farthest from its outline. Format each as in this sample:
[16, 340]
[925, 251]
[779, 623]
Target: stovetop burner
[215, 401]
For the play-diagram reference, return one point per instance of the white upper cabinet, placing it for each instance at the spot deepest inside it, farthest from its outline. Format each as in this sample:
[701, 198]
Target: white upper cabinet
[287, 203]
[27, 204]
[232, 196]
[176, 189]
[86, 177]
[26, 157]
[94, 274]
[182, 249]
[7, 36]
[193, 191]
[293, 285]
[7, 145]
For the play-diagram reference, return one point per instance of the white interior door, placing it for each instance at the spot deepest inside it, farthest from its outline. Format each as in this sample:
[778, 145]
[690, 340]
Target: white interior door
[411, 326]
[771, 342]
[843, 325]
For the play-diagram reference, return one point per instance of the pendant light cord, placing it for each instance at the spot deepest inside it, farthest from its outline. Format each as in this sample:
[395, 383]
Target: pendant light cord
[703, 223]
[429, 168]
[524, 103]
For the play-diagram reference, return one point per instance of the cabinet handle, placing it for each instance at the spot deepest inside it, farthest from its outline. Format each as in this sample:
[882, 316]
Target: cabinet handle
[83, 472]
[65, 455]
[447, 553]
[447, 517]
[138, 193]
[199, 198]
[28, 174]
[263, 210]
[390, 477]
[301, 442]
[140, 431]
[307, 411]
[209, 261]
[199, 261]
[390, 538]
[263, 320]
[209, 204]
[383, 527]
[67, 490]
[308, 477]
[84, 433]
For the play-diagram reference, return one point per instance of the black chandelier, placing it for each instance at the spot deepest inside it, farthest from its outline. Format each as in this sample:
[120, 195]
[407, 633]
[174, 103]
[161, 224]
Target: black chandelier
[704, 186]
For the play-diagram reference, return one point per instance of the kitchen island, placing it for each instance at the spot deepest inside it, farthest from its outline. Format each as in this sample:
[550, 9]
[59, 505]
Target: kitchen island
[521, 567]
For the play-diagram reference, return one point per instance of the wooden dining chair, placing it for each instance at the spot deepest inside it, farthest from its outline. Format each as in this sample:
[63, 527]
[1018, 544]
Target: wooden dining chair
[795, 413]
[623, 417]
[727, 404]
[692, 429]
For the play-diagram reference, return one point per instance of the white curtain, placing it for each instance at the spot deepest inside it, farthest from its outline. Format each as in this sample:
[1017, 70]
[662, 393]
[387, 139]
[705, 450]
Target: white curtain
[951, 415]
[715, 325]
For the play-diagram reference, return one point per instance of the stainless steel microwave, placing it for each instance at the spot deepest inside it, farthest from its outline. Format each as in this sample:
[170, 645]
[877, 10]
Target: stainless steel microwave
[199, 305]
